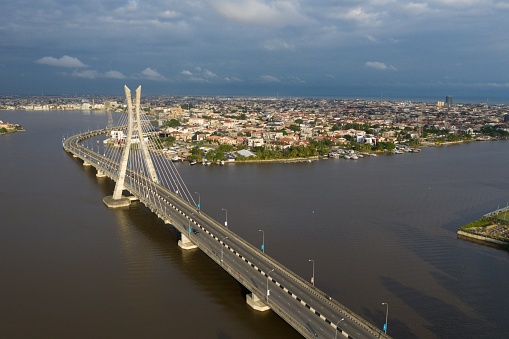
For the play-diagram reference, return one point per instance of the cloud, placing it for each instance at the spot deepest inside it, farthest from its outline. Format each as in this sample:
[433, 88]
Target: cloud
[269, 78]
[87, 74]
[169, 14]
[278, 44]
[151, 74]
[65, 61]
[93, 74]
[417, 8]
[361, 16]
[114, 75]
[259, 12]
[209, 74]
[200, 74]
[233, 79]
[380, 66]
[371, 38]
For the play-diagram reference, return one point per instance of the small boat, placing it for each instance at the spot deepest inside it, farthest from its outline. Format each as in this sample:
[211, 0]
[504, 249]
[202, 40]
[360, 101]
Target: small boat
[192, 163]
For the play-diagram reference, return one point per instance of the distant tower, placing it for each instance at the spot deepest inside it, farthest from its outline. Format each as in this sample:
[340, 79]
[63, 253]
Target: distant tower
[448, 101]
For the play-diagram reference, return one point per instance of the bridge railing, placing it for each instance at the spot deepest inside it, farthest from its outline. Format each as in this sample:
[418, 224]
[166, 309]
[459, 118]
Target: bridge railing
[254, 251]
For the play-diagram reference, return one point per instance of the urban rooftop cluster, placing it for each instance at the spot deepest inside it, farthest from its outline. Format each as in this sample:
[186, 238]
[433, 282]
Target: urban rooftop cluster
[282, 123]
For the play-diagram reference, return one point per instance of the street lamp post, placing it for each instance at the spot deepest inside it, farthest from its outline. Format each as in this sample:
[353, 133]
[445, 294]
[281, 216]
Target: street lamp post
[263, 240]
[313, 277]
[188, 225]
[336, 336]
[268, 285]
[222, 247]
[386, 315]
[199, 202]
[226, 220]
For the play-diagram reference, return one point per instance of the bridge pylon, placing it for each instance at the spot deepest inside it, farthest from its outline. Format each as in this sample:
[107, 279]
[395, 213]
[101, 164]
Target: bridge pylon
[134, 127]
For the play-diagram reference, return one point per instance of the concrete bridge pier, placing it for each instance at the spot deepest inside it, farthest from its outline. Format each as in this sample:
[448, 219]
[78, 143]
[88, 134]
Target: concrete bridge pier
[255, 302]
[185, 243]
[115, 203]
[86, 163]
[100, 174]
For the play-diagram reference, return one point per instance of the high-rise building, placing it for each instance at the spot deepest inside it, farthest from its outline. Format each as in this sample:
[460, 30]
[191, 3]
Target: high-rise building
[448, 100]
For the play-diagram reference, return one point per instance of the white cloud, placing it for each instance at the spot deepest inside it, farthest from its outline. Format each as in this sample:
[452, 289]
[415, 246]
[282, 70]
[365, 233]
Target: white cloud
[360, 15]
[87, 74]
[269, 78]
[169, 14]
[151, 74]
[278, 44]
[233, 79]
[114, 75]
[417, 7]
[65, 61]
[274, 13]
[380, 66]
[296, 80]
[186, 72]
[209, 74]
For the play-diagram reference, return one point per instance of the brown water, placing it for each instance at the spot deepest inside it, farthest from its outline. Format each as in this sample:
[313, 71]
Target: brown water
[379, 229]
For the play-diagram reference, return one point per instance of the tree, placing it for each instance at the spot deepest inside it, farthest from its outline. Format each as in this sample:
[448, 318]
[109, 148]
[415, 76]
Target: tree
[225, 148]
[173, 123]
[295, 128]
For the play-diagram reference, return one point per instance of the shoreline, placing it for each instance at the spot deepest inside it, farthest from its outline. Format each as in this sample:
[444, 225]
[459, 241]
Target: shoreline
[483, 240]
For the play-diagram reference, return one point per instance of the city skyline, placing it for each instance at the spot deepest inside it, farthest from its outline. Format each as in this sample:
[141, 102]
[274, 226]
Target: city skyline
[370, 48]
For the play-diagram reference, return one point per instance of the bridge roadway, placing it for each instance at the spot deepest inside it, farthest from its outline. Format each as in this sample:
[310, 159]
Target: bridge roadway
[306, 308]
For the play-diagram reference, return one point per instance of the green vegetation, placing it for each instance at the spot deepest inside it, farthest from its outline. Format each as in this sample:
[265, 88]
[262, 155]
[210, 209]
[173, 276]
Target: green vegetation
[172, 123]
[483, 222]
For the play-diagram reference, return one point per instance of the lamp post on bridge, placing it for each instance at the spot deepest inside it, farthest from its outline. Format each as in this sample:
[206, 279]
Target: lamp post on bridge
[386, 315]
[313, 277]
[336, 336]
[199, 202]
[226, 220]
[268, 285]
[188, 225]
[263, 240]
[222, 247]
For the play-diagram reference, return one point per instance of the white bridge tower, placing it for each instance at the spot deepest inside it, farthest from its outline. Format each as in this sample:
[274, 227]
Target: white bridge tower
[134, 129]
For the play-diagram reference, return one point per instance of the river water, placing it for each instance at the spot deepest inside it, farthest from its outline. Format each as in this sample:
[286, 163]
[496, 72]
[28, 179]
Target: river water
[378, 229]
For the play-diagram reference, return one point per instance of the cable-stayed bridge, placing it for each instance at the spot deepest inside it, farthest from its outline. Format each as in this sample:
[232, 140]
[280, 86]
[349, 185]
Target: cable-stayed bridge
[133, 158]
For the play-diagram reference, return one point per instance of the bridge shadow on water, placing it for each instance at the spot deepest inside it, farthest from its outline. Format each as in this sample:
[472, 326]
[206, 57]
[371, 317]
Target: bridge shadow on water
[202, 273]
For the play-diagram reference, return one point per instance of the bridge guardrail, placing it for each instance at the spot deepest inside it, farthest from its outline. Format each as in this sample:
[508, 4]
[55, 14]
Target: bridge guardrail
[253, 250]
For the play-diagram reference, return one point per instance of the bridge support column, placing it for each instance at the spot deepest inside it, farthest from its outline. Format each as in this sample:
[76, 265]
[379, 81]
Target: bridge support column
[100, 174]
[115, 203]
[185, 243]
[255, 302]
[86, 163]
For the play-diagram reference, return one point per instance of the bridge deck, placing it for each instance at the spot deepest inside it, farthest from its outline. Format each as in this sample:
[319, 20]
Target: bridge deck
[306, 308]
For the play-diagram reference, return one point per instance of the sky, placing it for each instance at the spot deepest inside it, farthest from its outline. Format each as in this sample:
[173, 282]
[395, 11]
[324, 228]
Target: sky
[338, 48]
